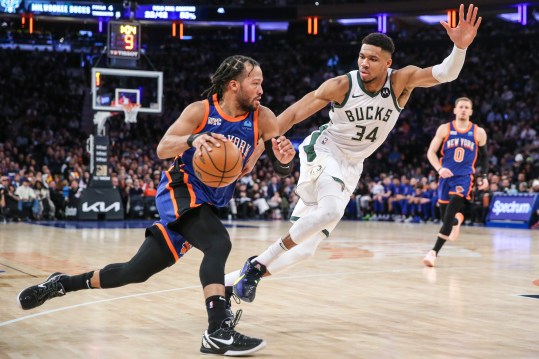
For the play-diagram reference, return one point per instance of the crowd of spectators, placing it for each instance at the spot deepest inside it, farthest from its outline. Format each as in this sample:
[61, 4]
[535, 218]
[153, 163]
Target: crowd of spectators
[45, 166]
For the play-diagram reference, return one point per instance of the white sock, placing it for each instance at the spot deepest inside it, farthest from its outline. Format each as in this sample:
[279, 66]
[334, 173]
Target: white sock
[230, 278]
[272, 253]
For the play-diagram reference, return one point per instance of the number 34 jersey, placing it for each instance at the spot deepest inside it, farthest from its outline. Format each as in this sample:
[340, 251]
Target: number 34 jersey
[363, 121]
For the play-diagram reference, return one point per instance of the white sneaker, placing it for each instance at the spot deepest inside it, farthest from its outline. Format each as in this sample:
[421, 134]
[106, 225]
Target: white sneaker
[430, 259]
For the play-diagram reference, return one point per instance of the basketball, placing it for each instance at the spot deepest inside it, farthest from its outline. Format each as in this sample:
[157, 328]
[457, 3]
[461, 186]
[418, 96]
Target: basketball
[220, 167]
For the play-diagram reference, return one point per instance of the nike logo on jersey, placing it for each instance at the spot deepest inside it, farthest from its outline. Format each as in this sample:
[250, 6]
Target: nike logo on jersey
[356, 95]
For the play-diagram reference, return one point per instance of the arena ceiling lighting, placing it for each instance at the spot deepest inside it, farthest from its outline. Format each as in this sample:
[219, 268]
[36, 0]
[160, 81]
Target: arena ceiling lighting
[272, 26]
[511, 17]
[432, 19]
[358, 21]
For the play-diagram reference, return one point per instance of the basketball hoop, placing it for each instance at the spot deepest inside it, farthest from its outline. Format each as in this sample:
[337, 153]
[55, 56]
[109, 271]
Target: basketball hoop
[130, 112]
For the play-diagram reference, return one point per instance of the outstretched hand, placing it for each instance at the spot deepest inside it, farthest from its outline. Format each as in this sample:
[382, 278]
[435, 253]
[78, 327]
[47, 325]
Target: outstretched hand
[466, 30]
[283, 149]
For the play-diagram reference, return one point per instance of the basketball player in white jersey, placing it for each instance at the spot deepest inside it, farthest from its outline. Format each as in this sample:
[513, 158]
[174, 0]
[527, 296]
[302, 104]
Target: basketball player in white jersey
[365, 105]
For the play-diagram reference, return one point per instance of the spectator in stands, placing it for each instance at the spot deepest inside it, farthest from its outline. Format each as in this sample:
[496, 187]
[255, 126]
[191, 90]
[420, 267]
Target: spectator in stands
[535, 186]
[11, 209]
[3, 193]
[260, 204]
[28, 203]
[363, 199]
[73, 194]
[273, 187]
[58, 200]
[244, 203]
[46, 207]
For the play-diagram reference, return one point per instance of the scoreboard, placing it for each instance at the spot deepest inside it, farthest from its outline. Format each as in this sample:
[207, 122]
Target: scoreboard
[123, 40]
[84, 9]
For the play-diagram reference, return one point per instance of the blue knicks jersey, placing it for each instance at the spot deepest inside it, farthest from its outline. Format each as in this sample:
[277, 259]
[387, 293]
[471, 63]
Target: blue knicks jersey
[241, 131]
[459, 150]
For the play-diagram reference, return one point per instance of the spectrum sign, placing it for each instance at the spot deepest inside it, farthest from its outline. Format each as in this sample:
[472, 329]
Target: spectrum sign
[513, 208]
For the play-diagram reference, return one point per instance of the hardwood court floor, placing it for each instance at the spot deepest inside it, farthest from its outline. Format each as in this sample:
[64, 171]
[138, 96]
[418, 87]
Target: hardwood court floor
[365, 294]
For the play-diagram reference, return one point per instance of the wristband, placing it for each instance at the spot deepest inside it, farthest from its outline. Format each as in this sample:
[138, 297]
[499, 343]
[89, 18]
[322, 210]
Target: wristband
[193, 137]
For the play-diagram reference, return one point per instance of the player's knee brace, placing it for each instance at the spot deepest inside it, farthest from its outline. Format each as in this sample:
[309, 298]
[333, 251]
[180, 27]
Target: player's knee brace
[443, 209]
[455, 204]
[152, 257]
[204, 230]
[212, 268]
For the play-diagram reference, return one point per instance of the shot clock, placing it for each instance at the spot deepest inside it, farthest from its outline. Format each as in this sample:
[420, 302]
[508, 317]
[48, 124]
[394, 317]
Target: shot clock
[124, 40]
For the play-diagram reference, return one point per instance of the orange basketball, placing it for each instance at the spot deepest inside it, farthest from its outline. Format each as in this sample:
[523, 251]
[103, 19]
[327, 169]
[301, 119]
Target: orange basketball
[220, 167]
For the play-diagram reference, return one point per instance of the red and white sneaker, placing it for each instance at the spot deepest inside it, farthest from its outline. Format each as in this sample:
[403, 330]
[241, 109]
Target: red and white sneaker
[455, 231]
[430, 259]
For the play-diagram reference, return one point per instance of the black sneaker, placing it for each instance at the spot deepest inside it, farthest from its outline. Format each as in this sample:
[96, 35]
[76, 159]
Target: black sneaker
[36, 295]
[227, 341]
[250, 275]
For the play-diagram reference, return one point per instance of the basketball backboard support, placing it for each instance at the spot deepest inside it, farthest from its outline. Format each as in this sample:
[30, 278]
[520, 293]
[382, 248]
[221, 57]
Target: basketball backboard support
[113, 87]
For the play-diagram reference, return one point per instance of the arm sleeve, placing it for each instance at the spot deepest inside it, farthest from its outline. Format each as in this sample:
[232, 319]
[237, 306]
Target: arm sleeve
[450, 68]
[483, 160]
[281, 169]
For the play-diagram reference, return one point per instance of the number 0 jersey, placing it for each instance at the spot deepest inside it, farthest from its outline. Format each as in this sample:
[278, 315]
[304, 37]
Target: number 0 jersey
[363, 121]
[459, 149]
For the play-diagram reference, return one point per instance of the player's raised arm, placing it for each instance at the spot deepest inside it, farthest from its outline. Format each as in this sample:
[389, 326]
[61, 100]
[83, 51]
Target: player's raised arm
[333, 89]
[462, 36]
[278, 148]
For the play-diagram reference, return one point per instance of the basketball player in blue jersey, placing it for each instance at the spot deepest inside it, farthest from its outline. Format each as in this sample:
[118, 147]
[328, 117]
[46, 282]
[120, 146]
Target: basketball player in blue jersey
[187, 207]
[365, 105]
[462, 144]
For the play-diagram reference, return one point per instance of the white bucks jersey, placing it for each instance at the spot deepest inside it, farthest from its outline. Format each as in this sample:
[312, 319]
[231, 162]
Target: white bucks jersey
[363, 121]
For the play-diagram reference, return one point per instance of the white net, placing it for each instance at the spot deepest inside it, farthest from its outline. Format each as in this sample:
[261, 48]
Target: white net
[130, 112]
[100, 118]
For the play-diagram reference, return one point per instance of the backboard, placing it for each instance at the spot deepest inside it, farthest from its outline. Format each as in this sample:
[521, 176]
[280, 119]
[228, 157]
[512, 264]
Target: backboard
[113, 87]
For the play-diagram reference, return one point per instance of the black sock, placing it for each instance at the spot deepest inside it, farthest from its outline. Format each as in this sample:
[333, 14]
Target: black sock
[72, 283]
[215, 305]
[439, 244]
[228, 293]
[455, 221]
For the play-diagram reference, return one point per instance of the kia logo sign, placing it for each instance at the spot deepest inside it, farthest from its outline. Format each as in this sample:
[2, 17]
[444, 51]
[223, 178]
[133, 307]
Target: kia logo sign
[101, 207]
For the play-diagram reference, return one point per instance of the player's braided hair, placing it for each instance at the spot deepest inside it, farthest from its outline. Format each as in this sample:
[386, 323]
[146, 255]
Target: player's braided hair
[380, 40]
[232, 68]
